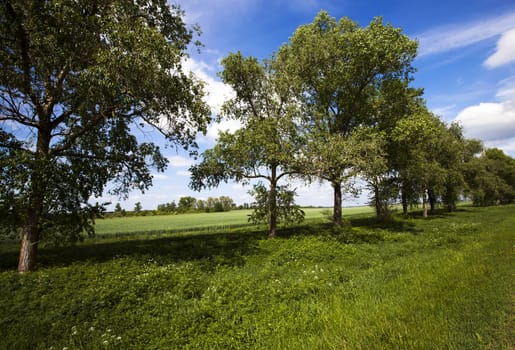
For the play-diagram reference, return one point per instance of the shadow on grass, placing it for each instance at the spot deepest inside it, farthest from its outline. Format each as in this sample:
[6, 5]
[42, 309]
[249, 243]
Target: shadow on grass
[223, 247]
[220, 248]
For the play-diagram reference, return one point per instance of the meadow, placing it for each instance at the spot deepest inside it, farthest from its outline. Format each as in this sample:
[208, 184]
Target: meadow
[440, 283]
[206, 222]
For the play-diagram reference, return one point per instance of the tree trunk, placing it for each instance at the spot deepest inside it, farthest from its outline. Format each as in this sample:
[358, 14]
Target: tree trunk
[432, 201]
[273, 203]
[31, 228]
[38, 186]
[450, 198]
[404, 199]
[29, 245]
[337, 208]
[377, 199]
[424, 204]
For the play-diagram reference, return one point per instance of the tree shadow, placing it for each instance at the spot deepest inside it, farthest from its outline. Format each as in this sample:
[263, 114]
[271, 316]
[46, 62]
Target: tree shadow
[215, 248]
[393, 224]
[218, 248]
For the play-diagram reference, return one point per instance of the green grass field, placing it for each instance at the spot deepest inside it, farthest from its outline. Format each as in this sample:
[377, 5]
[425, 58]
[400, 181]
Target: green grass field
[196, 221]
[442, 283]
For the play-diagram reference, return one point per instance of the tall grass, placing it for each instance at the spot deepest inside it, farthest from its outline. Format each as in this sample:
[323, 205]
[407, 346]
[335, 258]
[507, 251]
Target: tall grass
[443, 283]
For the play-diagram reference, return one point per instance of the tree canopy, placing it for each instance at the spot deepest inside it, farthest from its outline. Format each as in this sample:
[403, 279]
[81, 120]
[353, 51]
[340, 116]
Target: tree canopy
[268, 144]
[77, 79]
[346, 76]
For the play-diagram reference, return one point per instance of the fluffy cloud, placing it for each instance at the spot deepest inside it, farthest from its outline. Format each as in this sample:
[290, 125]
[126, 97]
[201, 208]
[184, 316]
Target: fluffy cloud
[493, 122]
[505, 52]
[217, 91]
[488, 121]
[180, 162]
[217, 94]
[448, 38]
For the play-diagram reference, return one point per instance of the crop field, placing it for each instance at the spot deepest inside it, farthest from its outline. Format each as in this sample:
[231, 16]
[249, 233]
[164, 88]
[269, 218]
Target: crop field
[197, 221]
[446, 282]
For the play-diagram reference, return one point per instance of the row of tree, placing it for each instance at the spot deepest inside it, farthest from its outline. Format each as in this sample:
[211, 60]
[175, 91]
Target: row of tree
[79, 78]
[335, 103]
[191, 204]
[186, 204]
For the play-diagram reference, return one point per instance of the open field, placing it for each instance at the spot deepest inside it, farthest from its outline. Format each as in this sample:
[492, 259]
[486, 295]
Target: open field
[196, 221]
[442, 283]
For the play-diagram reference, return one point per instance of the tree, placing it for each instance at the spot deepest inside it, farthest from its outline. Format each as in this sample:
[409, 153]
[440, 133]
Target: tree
[137, 207]
[287, 210]
[227, 203]
[419, 139]
[341, 69]
[76, 79]
[186, 204]
[268, 144]
[454, 154]
[167, 207]
[491, 178]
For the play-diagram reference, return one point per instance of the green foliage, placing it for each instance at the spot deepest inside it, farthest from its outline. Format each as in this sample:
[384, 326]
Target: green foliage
[287, 211]
[410, 284]
[269, 143]
[76, 77]
[347, 78]
[186, 204]
[491, 178]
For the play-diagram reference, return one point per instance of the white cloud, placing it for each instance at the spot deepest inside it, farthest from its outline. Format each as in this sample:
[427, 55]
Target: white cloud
[183, 173]
[224, 125]
[444, 111]
[159, 176]
[493, 122]
[180, 162]
[217, 94]
[488, 121]
[452, 37]
[217, 91]
[505, 52]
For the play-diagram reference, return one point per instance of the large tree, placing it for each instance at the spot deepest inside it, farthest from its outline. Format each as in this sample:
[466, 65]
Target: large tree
[77, 78]
[491, 178]
[269, 142]
[341, 70]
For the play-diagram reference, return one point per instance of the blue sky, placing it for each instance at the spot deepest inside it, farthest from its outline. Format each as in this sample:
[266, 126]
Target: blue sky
[466, 65]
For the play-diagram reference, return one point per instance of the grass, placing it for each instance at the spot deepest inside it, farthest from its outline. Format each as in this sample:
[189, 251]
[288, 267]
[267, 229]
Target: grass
[196, 221]
[442, 283]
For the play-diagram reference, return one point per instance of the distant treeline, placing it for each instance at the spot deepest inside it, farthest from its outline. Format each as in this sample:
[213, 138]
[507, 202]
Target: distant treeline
[185, 204]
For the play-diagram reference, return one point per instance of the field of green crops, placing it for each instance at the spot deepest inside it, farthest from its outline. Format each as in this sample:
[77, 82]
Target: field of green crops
[197, 221]
[446, 282]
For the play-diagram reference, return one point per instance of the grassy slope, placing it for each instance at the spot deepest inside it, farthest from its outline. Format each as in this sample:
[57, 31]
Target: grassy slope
[443, 283]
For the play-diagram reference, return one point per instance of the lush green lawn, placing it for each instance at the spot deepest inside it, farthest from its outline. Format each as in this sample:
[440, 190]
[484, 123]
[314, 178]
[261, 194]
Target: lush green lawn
[442, 283]
[211, 221]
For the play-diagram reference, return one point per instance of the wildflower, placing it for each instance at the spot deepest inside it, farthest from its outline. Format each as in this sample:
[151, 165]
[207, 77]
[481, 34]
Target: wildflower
[91, 329]
[118, 338]
[105, 342]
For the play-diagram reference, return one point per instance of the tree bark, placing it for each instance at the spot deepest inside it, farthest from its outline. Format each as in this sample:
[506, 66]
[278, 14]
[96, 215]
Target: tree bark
[38, 186]
[377, 199]
[424, 204]
[29, 245]
[337, 207]
[273, 203]
[432, 201]
[404, 199]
